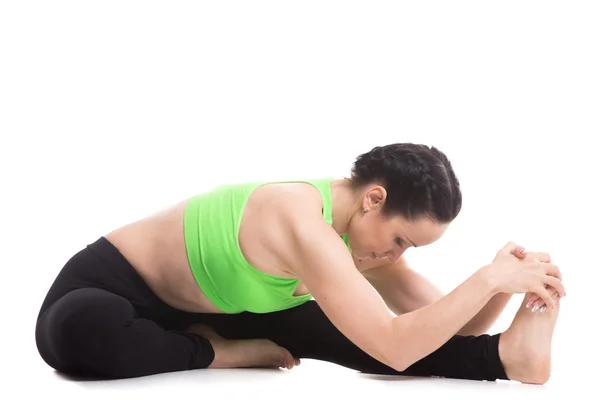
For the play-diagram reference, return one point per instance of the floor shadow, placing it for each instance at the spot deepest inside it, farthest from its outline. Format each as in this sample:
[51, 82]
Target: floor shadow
[392, 378]
[239, 375]
[79, 378]
[502, 385]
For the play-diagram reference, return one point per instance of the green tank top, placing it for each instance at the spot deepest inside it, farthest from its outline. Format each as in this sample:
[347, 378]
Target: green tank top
[229, 281]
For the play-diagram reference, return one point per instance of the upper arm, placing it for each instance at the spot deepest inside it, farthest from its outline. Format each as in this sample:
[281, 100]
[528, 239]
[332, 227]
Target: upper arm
[402, 288]
[320, 259]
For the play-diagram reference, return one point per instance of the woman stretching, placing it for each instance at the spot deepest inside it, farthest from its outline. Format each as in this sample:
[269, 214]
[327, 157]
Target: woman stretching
[264, 274]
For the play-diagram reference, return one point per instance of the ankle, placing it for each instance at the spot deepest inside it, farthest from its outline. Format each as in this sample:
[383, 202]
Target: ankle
[225, 355]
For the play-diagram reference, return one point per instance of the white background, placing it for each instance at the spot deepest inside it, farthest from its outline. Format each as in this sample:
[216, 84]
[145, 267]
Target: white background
[112, 110]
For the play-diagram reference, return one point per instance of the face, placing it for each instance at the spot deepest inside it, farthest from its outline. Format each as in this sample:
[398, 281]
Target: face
[374, 236]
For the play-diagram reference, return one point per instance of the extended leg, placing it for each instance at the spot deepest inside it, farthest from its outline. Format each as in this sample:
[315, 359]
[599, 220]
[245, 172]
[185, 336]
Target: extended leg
[307, 333]
[521, 353]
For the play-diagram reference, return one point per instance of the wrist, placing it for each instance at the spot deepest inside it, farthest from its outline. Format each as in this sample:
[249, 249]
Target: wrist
[489, 278]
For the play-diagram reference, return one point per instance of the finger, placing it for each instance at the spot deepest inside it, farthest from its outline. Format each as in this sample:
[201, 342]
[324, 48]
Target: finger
[537, 306]
[556, 295]
[555, 283]
[541, 256]
[530, 299]
[556, 298]
[508, 248]
[537, 302]
[545, 295]
[540, 303]
[518, 251]
[534, 300]
[551, 269]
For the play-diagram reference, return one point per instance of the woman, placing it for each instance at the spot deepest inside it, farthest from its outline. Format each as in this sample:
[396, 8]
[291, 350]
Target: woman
[227, 279]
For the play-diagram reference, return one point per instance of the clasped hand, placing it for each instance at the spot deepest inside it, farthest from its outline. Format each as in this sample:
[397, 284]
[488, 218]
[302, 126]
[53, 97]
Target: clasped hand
[532, 273]
[534, 301]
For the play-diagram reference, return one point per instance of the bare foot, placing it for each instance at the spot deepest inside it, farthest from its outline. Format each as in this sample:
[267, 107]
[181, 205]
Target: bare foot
[244, 353]
[525, 347]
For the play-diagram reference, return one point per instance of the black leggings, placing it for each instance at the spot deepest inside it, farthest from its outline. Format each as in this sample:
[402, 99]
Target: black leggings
[100, 319]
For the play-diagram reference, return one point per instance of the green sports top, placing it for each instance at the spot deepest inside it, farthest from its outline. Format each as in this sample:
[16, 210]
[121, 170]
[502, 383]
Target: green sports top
[229, 281]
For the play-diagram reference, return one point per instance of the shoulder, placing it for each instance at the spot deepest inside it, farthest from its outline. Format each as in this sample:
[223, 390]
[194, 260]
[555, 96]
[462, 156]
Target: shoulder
[295, 203]
[282, 211]
[300, 230]
[299, 212]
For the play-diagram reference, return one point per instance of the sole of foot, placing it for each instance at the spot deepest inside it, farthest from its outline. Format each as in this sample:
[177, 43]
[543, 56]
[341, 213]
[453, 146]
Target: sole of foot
[526, 346]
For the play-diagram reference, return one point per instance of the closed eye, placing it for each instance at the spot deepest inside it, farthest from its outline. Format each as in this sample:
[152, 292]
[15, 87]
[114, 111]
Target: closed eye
[399, 242]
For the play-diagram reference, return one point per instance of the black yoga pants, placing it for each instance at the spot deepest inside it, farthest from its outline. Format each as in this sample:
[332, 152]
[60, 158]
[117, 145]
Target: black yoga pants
[100, 319]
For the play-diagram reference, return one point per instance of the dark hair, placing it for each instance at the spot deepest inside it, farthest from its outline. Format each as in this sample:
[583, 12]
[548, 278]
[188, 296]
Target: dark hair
[419, 180]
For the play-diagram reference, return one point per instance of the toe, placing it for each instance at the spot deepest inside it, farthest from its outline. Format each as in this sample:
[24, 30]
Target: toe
[288, 359]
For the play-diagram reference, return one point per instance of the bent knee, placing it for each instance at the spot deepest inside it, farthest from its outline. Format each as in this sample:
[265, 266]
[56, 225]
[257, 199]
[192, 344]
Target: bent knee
[71, 329]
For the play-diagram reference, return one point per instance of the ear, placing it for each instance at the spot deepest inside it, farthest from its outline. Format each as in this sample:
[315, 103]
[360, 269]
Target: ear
[374, 197]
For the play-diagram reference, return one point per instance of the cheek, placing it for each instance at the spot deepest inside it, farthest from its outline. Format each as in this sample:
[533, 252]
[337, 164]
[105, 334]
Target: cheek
[382, 239]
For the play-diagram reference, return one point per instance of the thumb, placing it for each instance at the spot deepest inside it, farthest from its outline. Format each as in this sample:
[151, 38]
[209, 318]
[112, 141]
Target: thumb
[512, 248]
[518, 251]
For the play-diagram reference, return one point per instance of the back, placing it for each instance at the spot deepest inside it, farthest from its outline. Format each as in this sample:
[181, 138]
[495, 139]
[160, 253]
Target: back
[211, 226]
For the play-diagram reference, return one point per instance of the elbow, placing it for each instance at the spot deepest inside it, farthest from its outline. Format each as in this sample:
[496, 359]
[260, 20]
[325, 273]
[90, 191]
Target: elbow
[399, 365]
[402, 362]
[402, 357]
[399, 361]
[398, 355]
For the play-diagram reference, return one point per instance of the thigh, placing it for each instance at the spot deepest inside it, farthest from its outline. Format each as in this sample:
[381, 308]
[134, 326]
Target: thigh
[94, 332]
[101, 266]
[84, 324]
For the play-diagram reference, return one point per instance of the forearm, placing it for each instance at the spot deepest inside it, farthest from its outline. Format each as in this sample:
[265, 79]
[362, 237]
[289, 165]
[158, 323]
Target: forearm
[424, 330]
[483, 321]
[405, 290]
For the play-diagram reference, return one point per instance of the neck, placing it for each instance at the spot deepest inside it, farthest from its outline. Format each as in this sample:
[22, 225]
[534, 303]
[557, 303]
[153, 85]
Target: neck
[344, 204]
